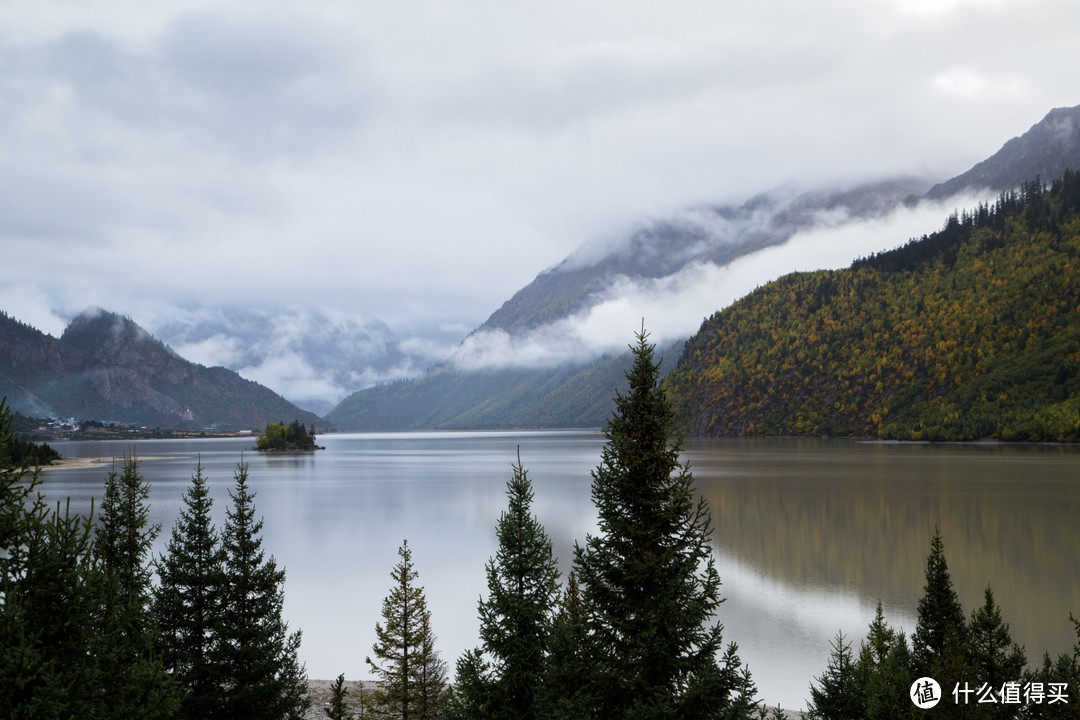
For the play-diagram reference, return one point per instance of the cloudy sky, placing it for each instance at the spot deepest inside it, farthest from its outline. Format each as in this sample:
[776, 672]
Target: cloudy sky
[416, 162]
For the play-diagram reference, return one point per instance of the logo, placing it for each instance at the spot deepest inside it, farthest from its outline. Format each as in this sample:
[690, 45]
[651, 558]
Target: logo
[925, 693]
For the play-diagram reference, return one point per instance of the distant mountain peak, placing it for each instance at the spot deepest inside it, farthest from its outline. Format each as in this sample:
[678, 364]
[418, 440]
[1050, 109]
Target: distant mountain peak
[1049, 148]
[105, 366]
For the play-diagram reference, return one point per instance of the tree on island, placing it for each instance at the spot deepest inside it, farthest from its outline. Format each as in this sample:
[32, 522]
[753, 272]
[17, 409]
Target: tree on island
[292, 437]
[649, 580]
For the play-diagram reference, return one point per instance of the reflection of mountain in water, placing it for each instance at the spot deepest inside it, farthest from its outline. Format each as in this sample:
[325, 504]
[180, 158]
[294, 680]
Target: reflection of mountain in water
[860, 515]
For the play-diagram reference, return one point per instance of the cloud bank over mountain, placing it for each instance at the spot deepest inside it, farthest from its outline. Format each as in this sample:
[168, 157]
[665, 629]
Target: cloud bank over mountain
[672, 306]
[418, 163]
[315, 358]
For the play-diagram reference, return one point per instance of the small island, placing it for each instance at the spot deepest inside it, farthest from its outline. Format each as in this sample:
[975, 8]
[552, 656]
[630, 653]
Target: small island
[279, 437]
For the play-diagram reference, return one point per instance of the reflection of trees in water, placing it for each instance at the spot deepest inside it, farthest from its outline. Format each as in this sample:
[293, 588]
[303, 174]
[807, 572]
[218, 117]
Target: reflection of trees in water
[861, 516]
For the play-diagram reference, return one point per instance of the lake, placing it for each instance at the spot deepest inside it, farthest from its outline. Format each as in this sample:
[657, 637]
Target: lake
[809, 534]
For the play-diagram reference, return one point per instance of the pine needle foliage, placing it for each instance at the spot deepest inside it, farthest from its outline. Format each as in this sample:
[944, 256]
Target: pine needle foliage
[883, 671]
[566, 685]
[257, 656]
[940, 637]
[338, 709]
[516, 616]
[649, 579]
[188, 601]
[837, 694]
[411, 674]
[134, 681]
[993, 657]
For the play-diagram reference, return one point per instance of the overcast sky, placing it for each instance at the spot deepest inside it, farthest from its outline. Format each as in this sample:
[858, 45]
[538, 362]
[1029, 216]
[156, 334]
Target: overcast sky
[418, 162]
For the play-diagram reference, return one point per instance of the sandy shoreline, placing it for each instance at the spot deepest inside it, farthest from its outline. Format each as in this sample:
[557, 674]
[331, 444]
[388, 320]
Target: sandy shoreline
[84, 463]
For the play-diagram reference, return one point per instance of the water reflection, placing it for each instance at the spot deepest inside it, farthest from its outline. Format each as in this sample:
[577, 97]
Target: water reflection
[809, 534]
[819, 517]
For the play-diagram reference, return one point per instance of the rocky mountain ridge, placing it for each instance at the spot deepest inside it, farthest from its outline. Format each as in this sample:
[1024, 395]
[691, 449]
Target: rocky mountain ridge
[105, 367]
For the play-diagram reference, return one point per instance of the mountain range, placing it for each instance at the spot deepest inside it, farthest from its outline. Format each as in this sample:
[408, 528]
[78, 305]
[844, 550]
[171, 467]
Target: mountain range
[533, 363]
[106, 367]
[463, 393]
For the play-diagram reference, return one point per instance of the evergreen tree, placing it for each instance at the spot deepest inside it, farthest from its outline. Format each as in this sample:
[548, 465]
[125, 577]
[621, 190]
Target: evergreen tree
[515, 618]
[188, 605]
[1066, 670]
[837, 695]
[124, 535]
[939, 644]
[471, 697]
[431, 679]
[566, 685]
[256, 655]
[51, 594]
[338, 710]
[649, 579]
[134, 682]
[410, 685]
[993, 657]
[23, 516]
[883, 671]
[74, 627]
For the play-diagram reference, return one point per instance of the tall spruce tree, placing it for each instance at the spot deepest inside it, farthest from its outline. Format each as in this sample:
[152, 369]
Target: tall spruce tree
[23, 518]
[838, 695]
[260, 674]
[939, 643]
[188, 602]
[516, 616]
[993, 657]
[134, 682]
[72, 605]
[1064, 670]
[883, 670]
[566, 685]
[649, 579]
[50, 592]
[411, 676]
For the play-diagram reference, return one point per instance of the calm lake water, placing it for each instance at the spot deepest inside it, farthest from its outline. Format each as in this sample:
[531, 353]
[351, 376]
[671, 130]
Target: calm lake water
[809, 534]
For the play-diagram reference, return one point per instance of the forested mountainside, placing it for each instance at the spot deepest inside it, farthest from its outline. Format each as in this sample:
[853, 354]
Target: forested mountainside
[971, 332]
[106, 367]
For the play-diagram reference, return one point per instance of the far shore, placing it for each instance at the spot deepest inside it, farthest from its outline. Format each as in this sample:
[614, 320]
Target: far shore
[86, 463]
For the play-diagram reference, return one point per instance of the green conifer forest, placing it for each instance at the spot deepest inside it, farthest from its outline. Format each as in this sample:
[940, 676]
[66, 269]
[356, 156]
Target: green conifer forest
[972, 332]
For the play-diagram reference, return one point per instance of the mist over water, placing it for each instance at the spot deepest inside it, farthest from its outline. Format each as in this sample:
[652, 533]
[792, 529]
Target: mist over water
[809, 534]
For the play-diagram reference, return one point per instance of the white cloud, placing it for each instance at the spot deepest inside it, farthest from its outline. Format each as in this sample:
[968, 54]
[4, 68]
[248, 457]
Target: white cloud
[419, 162]
[673, 306]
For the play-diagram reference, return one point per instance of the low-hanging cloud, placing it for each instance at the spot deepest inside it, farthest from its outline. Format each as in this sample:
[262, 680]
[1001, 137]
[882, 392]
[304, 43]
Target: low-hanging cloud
[673, 306]
[313, 358]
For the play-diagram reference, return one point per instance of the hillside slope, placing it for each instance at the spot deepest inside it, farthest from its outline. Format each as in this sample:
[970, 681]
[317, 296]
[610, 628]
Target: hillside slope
[971, 332]
[569, 396]
[714, 236]
[106, 367]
